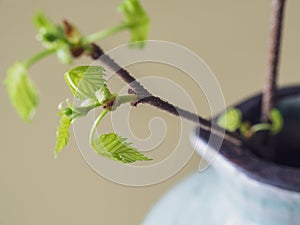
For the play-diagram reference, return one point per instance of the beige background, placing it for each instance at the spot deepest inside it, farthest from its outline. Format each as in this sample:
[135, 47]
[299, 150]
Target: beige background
[36, 189]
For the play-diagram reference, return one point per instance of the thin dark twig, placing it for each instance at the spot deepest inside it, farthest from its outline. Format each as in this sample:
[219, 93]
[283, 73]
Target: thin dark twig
[273, 58]
[146, 97]
[203, 123]
[98, 53]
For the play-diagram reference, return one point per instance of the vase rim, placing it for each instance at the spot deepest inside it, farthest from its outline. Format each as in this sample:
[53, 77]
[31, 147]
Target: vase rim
[255, 167]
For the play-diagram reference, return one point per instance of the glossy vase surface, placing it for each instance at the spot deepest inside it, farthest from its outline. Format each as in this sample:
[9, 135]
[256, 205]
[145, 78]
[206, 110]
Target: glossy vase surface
[239, 187]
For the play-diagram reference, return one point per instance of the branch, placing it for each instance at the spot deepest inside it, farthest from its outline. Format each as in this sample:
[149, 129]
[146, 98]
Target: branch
[144, 96]
[273, 59]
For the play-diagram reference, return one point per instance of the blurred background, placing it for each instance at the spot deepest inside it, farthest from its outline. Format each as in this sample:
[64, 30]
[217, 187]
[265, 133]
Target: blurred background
[231, 37]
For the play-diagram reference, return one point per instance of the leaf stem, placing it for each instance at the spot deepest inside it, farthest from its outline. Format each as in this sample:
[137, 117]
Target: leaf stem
[29, 62]
[96, 123]
[105, 33]
[125, 99]
[276, 25]
[261, 126]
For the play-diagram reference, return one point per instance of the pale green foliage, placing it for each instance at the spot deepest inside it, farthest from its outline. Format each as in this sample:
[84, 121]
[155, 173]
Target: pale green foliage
[48, 32]
[246, 129]
[53, 37]
[115, 147]
[277, 121]
[67, 42]
[230, 120]
[85, 81]
[138, 21]
[22, 92]
[69, 115]
[62, 134]
[103, 95]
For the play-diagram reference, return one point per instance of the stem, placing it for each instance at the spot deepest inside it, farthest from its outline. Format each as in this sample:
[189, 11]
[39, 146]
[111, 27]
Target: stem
[105, 33]
[273, 59]
[29, 62]
[83, 110]
[261, 127]
[144, 96]
[96, 123]
[138, 89]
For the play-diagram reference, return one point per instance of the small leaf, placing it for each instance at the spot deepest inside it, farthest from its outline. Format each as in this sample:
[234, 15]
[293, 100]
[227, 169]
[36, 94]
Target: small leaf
[138, 20]
[115, 147]
[84, 81]
[22, 92]
[48, 32]
[62, 134]
[231, 120]
[246, 129]
[53, 36]
[43, 23]
[277, 121]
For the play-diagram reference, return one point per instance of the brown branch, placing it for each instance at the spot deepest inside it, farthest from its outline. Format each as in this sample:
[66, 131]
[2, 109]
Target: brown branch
[273, 59]
[146, 97]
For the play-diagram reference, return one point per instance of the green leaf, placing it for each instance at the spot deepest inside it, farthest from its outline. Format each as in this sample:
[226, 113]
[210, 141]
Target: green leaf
[246, 129]
[21, 90]
[62, 134]
[53, 36]
[138, 20]
[115, 147]
[277, 121]
[231, 120]
[43, 23]
[48, 32]
[275, 126]
[84, 81]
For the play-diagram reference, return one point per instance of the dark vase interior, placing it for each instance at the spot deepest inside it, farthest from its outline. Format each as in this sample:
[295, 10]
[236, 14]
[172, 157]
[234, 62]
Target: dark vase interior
[284, 147]
[278, 164]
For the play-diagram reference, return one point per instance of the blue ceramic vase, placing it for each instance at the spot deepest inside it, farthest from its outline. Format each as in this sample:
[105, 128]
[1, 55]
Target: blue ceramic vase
[241, 187]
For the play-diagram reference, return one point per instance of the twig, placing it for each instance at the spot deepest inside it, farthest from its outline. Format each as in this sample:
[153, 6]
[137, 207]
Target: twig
[273, 59]
[146, 97]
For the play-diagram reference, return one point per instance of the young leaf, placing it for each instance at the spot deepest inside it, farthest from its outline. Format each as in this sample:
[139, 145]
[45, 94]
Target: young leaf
[138, 20]
[62, 134]
[277, 121]
[54, 36]
[48, 32]
[115, 147]
[43, 23]
[246, 129]
[21, 91]
[84, 81]
[231, 120]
